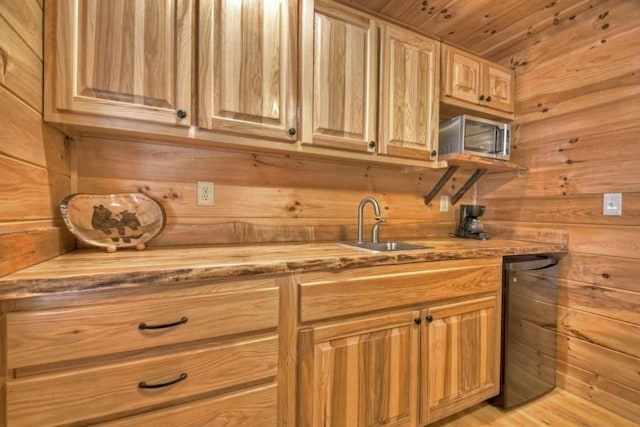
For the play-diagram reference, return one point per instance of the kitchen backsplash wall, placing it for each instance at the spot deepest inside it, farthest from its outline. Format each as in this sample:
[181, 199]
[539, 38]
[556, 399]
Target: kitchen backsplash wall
[578, 121]
[264, 198]
[34, 157]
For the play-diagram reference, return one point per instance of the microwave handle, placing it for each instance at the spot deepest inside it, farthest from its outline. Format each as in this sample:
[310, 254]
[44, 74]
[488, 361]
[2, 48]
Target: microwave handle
[505, 140]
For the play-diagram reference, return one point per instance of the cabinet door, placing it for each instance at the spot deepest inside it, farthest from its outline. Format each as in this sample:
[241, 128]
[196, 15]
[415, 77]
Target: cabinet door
[344, 73]
[463, 76]
[460, 356]
[409, 96]
[360, 373]
[499, 88]
[248, 67]
[120, 58]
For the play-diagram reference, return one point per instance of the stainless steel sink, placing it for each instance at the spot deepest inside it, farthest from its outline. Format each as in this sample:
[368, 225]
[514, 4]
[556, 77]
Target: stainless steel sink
[385, 246]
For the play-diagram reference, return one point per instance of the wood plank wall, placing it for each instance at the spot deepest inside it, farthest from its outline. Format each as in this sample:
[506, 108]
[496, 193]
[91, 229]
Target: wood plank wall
[578, 121]
[34, 157]
[264, 198]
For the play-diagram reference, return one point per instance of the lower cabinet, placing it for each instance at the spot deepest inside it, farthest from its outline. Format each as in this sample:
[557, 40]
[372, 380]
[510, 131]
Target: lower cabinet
[199, 354]
[360, 373]
[460, 356]
[406, 367]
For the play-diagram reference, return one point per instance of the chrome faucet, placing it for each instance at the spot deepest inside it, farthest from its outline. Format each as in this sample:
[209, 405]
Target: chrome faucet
[376, 210]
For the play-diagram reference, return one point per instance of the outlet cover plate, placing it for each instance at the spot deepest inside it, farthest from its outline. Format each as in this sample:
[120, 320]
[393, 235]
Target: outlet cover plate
[612, 204]
[205, 194]
[444, 203]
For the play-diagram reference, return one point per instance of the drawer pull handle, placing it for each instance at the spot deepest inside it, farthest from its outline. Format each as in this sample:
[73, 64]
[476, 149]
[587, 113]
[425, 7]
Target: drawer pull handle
[143, 384]
[166, 325]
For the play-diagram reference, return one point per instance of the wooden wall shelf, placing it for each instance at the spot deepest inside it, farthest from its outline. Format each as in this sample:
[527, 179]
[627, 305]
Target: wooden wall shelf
[468, 161]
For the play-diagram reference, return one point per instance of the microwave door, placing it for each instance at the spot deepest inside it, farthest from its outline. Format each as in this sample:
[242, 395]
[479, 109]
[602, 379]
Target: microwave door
[479, 138]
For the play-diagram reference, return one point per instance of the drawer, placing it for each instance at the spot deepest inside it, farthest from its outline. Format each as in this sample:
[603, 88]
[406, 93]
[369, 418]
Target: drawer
[255, 408]
[49, 336]
[324, 295]
[89, 394]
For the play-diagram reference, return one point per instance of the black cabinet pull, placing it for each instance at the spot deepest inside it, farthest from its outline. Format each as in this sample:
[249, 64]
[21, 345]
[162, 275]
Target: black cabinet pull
[372, 144]
[434, 153]
[481, 97]
[165, 325]
[417, 320]
[181, 114]
[488, 99]
[429, 318]
[291, 131]
[143, 384]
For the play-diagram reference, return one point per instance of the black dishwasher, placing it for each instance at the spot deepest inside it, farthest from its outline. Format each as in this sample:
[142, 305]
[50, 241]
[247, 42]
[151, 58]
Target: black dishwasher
[529, 325]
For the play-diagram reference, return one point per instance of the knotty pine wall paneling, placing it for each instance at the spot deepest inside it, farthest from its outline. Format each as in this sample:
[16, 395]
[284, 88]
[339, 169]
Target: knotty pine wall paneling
[577, 126]
[264, 198]
[34, 157]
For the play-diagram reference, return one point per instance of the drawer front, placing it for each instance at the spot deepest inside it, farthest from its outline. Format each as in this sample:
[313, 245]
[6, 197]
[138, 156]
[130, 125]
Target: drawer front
[87, 394]
[326, 295]
[255, 408]
[49, 336]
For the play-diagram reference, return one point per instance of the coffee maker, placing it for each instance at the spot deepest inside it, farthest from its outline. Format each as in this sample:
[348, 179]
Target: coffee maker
[470, 226]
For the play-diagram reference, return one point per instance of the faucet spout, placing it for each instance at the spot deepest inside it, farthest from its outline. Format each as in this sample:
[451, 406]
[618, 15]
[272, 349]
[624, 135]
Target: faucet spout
[376, 210]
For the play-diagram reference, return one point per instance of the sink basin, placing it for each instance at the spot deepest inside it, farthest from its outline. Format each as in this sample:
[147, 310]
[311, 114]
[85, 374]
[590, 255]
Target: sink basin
[385, 246]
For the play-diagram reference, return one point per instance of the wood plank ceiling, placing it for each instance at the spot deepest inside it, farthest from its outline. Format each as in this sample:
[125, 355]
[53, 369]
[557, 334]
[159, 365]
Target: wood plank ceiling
[494, 29]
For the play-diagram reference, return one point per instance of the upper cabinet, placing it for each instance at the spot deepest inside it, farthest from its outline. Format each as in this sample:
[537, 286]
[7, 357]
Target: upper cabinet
[339, 72]
[313, 77]
[368, 86]
[119, 59]
[409, 93]
[248, 67]
[472, 83]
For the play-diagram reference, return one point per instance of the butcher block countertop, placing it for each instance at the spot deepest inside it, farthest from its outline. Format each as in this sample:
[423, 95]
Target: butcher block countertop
[94, 269]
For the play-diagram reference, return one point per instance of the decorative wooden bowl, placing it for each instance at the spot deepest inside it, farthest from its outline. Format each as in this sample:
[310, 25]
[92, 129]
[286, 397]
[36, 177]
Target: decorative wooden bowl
[113, 221]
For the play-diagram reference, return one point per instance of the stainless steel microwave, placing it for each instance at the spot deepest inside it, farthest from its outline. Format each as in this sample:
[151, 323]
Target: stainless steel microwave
[476, 136]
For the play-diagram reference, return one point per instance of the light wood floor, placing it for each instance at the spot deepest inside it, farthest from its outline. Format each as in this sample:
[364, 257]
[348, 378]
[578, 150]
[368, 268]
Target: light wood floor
[558, 408]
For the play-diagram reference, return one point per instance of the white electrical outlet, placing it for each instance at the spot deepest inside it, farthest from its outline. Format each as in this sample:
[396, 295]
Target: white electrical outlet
[444, 203]
[612, 204]
[205, 193]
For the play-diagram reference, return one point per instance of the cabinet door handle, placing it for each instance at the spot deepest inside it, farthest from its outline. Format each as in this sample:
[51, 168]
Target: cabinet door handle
[417, 320]
[372, 144]
[429, 318]
[481, 97]
[143, 384]
[291, 131]
[488, 99]
[181, 114]
[165, 325]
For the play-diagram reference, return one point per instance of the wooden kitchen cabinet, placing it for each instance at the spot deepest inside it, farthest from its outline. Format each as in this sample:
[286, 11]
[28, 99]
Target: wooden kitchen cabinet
[100, 358]
[360, 372]
[118, 59]
[472, 83]
[364, 98]
[409, 96]
[447, 336]
[460, 356]
[339, 76]
[248, 67]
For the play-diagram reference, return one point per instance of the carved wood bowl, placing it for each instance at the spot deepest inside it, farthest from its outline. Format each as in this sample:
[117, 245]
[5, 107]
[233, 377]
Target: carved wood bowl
[113, 221]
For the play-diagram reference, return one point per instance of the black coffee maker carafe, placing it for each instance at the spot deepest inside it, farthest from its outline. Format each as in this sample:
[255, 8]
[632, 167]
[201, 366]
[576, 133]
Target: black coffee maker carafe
[469, 226]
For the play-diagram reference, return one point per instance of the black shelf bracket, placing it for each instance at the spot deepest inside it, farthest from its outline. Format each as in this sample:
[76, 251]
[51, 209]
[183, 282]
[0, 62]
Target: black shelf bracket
[447, 175]
[467, 185]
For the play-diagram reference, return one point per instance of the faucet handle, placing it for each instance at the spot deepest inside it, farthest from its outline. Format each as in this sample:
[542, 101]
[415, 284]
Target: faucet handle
[375, 231]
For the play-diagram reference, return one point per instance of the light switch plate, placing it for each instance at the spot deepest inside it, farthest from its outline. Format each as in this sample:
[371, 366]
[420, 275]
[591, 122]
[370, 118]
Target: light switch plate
[612, 204]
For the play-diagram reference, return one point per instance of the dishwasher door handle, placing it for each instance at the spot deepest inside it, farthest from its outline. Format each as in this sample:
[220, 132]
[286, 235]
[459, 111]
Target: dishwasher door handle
[530, 265]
